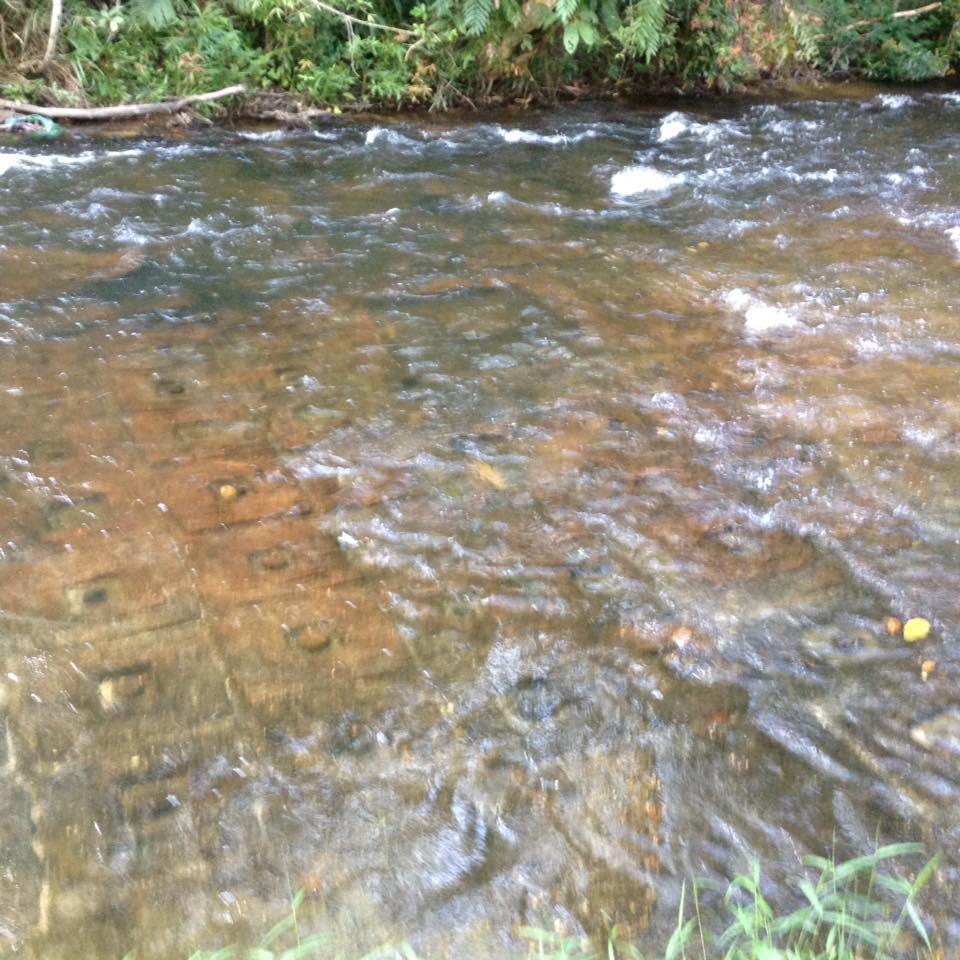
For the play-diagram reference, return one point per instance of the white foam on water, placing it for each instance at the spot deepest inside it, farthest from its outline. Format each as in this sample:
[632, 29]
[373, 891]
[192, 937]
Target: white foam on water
[640, 178]
[954, 234]
[893, 101]
[759, 317]
[949, 97]
[386, 135]
[940, 220]
[677, 124]
[672, 125]
[501, 199]
[127, 234]
[286, 133]
[279, 134]
[182, 149]
[518, 135]
[828, 176]
[47, 161]
[786, 128]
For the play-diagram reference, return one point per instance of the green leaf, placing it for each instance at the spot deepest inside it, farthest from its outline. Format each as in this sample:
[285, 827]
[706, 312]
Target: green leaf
[926, 873]
[850, 868]
[917, 922]
[565, 9]
[645, 30]
[679, 937]
[476, 15]
[278, 930]
[571, 36]
[588, 34]
[807, 888]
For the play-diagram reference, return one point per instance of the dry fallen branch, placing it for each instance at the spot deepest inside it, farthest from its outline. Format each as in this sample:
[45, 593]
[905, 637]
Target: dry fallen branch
[899, 15]
[126, 110]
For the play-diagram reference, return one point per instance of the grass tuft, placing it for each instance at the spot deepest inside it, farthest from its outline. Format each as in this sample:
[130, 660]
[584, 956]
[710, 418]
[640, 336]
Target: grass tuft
[854, 910]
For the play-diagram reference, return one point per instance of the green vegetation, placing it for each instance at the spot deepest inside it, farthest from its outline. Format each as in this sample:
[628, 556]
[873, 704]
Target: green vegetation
[854, 910]
[443, 52]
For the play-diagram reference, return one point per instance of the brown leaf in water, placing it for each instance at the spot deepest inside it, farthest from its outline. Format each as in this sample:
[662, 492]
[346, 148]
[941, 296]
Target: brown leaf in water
[488, 474]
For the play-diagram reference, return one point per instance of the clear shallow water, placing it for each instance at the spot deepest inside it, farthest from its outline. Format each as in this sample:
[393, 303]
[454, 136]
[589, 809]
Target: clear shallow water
[474, 525]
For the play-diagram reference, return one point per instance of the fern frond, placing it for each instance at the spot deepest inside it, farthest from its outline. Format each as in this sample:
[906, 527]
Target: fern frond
[565, 9]
[476, 15]
[645, 31]
[154, 13]
[806, 36]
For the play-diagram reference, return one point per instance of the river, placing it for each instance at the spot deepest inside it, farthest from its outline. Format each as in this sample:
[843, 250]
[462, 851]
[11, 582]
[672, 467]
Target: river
[474, 524]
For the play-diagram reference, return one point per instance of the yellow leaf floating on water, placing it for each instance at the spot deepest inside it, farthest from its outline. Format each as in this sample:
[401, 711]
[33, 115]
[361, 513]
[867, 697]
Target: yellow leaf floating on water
[488, 474]
[916, 629]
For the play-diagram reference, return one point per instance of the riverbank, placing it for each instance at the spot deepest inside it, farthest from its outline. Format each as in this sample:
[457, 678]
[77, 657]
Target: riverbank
[264, 111]
[307, 55]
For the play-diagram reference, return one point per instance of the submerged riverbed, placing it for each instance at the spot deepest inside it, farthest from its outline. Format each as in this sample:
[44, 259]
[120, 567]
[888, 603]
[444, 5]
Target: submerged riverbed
[474, 525]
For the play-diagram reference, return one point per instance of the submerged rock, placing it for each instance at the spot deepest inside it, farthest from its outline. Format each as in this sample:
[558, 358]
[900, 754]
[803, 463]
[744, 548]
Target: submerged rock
[940, 734]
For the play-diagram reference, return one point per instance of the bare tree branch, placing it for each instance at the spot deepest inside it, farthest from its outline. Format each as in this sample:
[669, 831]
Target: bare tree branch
[126, 110]
[899, 15]
[56, 15]
[349, 18]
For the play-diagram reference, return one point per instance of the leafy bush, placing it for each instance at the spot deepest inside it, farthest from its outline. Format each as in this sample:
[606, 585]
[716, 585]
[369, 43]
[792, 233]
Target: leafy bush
[439, 51]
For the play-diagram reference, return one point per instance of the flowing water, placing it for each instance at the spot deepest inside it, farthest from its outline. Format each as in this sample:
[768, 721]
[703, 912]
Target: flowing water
[474, 525]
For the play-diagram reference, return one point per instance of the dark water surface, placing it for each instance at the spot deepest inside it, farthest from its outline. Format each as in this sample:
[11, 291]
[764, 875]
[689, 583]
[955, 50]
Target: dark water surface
[474, 525]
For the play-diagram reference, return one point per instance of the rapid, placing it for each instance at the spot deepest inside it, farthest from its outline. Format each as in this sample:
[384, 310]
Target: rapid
[474, 524]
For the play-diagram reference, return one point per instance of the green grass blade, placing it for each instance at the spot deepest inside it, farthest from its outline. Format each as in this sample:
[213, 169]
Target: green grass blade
[278, 930]
[309, 947]
[678, 940]
[612, 942]
[917, 922]
[849, 868]
[926, 873]
[808, 890]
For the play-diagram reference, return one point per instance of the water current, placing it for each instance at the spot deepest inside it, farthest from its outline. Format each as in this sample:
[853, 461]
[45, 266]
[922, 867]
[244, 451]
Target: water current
[474, 524]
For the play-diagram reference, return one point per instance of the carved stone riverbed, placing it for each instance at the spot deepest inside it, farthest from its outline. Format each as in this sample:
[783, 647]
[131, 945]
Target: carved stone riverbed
[474, 524]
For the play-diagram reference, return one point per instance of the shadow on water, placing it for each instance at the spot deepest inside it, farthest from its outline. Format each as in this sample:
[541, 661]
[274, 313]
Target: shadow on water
[476, 525]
